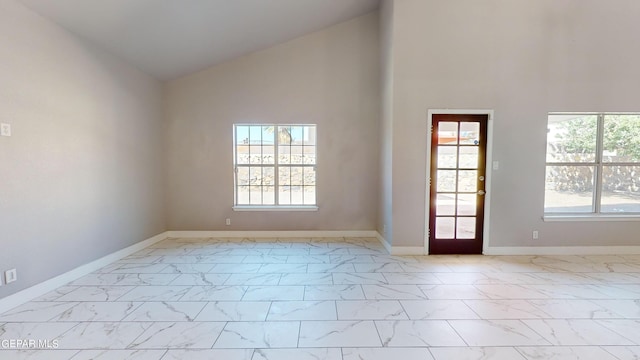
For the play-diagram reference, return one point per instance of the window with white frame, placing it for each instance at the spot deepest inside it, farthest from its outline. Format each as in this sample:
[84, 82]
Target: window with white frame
[275, 165]
[593, 164]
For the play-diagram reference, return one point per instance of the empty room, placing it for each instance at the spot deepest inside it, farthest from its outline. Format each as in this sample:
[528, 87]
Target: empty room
[319, 179]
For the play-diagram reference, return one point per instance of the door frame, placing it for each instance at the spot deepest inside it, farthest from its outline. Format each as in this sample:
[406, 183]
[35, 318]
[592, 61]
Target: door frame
[489, 170]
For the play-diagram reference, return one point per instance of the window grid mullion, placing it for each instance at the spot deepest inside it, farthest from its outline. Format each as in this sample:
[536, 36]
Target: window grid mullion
[599, 149]
[276, 164]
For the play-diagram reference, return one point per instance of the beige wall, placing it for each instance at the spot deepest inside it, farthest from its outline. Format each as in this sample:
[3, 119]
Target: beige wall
[81, 177]
[329, 78]
[523, 59]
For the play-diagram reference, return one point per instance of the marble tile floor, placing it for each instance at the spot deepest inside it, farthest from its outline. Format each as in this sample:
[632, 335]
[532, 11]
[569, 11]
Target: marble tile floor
[333, 299]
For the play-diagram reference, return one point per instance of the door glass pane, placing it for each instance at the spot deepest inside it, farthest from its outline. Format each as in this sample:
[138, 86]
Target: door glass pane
[447, 157]
[446, 181]
[571, 138]
[569, 189]
[468, 180]
[620, 189]
[466, 228]
[469, 157]
[470, 133]
[445, 204]
[467, 204]
[621, 142]
[445, 227]
[447, 132]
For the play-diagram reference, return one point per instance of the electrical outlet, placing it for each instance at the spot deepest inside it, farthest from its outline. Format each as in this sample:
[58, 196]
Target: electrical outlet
[228, 222]
[10, 276]
[535, 234]
[5, 129]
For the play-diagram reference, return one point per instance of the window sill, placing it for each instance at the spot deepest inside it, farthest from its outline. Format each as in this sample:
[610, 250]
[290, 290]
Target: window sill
[591, 217]
[275, 208]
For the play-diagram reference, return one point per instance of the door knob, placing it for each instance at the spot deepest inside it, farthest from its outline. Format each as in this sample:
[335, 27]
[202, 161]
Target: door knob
[481, 192]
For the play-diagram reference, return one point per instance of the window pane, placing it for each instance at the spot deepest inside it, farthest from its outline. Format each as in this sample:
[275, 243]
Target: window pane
[255, 154]
[467, 204]
[447, 157]
[284, 195]
[284, 175]
[572, 138]
[243, 195]
[470, 133]
[621, 138]
[268, 176]
[255, 135]
[268, 154]
[310, 195]
[468, 180]
[445, 204]
[445, 227]
[255, 176]
[255, 195]
[447, 132]
[297, 135]
[297, 195]
[309, 176]
[569, 189]
[620, 189]
[268, 195]
[446, 181]
[284, 154]
[284, 135]
[296, 154]
[466, 228]
[243, 176]
[296, 175]
[309, 155]
[469, 157]
[309, 135]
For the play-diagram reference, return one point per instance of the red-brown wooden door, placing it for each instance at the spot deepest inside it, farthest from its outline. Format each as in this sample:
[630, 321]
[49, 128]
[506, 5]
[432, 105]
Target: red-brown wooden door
[457, 183]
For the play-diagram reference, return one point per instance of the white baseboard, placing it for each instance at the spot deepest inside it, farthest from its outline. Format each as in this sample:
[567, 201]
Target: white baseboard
[273, 234]
[384, 242]
[400, 250]
[28, 294]
[407, 250]
[562, 250]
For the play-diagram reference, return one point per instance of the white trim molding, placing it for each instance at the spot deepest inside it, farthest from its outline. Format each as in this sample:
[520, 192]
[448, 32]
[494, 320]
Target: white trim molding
[30, 293]
[273, 234]
[407, 250]
[384, 242]
[562, 250]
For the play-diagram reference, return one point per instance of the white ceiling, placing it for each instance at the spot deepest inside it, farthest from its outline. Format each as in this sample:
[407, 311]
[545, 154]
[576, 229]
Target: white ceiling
[171, 38]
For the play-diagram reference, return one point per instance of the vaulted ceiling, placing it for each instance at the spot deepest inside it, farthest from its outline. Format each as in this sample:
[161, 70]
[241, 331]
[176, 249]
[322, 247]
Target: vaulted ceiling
[171, 38]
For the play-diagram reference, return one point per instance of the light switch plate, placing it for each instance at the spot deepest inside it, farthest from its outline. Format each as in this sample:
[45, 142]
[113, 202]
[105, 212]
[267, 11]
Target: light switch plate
[5, 129]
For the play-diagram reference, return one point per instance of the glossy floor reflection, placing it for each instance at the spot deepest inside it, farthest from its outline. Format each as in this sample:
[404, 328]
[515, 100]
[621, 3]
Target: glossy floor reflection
[335, 298]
